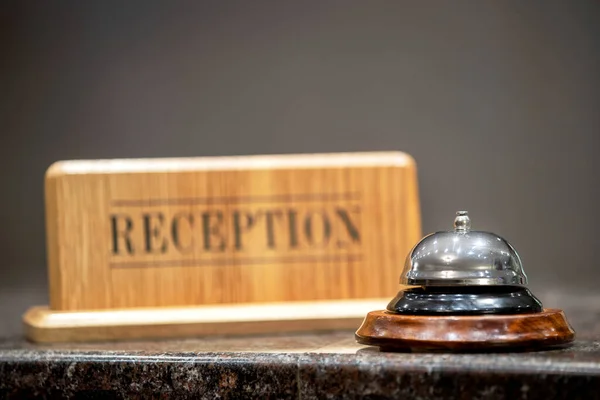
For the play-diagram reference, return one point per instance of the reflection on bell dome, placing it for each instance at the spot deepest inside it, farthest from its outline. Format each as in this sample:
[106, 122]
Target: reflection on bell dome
[463, 257]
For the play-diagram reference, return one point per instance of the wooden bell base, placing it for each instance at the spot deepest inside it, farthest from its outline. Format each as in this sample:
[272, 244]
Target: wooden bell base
[43, 325]
[396, 332]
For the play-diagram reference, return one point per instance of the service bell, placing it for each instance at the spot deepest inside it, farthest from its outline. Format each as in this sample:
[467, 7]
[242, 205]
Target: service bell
[464, 272]
[463, 257]
[466, 291]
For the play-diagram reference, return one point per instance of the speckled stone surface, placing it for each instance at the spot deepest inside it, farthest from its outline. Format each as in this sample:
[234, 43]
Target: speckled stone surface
[308, 366]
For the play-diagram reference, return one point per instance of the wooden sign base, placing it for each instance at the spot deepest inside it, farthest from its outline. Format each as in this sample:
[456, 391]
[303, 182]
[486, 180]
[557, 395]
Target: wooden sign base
[47, 326]
[396, 332]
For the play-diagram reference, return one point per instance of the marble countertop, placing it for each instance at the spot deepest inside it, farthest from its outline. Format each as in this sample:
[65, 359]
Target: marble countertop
[303, 366]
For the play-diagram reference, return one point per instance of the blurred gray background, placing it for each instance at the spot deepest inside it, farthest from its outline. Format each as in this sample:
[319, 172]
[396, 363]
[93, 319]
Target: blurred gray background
[498, 101]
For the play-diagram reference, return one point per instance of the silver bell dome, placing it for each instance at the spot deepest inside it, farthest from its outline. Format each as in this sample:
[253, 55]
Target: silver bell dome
[463, 257]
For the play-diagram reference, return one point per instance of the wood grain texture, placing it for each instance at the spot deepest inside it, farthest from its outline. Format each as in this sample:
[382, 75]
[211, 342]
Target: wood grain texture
[227, 230]
[464, 333]
[43, 325]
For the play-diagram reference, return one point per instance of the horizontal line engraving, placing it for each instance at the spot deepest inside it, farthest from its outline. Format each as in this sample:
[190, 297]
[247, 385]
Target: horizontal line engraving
[282, 198]
[237, 261]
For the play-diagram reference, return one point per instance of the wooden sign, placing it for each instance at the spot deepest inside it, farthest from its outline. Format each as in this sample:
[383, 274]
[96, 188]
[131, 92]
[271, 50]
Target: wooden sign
[209, 232]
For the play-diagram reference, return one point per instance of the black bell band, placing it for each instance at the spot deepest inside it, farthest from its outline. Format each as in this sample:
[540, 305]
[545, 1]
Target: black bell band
[474, 300]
